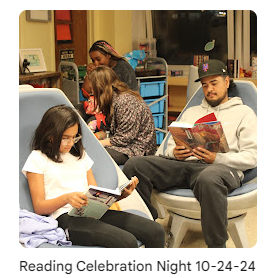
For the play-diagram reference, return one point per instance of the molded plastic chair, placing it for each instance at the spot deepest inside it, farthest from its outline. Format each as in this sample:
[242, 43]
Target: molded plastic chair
[183, 206]
[33, 103]
[25, 86]
[192, 86]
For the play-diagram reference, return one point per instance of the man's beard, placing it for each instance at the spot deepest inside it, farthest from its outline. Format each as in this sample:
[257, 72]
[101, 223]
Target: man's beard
[214, 103]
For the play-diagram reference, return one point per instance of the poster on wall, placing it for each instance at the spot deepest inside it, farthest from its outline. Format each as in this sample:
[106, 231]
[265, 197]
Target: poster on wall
[38, 15]
[67, 55]
[34, 58]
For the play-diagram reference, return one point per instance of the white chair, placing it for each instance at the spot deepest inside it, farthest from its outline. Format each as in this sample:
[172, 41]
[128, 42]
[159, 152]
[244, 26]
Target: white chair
[25, 86]
[184, 208]
[192, 86]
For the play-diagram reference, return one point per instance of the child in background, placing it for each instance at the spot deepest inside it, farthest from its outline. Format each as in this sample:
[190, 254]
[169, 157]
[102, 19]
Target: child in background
[103, 54]
[59, 171]
[128, 118]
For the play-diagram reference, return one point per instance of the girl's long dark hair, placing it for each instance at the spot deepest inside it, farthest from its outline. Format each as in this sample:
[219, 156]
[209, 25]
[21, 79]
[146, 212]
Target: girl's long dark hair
[48, 135]
[104, 83]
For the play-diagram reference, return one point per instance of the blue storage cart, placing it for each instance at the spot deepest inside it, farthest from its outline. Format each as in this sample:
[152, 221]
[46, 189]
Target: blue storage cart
[157, 105]
[159, 137]
[154, 90]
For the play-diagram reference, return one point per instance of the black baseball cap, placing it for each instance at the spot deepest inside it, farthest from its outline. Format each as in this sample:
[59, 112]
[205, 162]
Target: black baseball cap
[211, 67]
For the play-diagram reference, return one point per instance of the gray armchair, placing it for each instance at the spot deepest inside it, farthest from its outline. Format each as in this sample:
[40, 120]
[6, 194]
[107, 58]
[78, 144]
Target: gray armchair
[33, 103]
[184, 208]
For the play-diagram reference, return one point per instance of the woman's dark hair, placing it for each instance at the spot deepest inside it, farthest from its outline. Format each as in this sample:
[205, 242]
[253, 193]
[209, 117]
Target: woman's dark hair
[48, 135]
[105, 48]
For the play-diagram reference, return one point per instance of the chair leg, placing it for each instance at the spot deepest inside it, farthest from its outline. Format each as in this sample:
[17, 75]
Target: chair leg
[180, 225]
[160, 209]
[237, 231]
[179, 228]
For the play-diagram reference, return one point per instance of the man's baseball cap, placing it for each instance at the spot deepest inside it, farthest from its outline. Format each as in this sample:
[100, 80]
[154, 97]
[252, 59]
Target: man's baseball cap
[211, 67]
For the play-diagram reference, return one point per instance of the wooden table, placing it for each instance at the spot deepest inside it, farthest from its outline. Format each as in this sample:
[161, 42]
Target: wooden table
[51, 79]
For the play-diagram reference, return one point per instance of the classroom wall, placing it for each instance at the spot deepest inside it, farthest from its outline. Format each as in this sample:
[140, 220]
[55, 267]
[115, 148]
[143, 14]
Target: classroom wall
[113, 26]
[38, 35]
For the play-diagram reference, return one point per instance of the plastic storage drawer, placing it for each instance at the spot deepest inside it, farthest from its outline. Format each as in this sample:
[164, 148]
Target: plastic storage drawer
[157, 107]
[158, 120]
[152, 89]
[159, 137]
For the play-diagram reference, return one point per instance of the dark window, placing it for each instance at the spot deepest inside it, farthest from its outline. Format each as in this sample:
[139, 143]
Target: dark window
[253, 33]
[182, 34]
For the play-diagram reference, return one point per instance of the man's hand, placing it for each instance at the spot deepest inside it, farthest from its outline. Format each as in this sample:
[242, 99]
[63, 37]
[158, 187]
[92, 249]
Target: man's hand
[181, 152]
[128, 190]
[204, 155]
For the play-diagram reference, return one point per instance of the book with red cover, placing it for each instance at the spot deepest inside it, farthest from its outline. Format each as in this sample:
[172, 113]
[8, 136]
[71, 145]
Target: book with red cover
[206, 132]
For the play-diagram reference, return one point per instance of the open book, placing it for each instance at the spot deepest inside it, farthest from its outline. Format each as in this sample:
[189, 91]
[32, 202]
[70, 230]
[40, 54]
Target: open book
[206, 132]
[100, 200]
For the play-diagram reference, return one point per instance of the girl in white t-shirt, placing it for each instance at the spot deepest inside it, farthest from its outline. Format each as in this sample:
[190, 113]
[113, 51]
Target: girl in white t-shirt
[59, 171]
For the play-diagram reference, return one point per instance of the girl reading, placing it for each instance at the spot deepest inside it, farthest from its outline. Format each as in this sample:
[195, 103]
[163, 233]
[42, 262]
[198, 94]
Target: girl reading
[59, 171]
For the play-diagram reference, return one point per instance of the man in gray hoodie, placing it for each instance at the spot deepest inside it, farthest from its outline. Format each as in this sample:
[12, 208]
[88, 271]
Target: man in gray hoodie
[210, 175]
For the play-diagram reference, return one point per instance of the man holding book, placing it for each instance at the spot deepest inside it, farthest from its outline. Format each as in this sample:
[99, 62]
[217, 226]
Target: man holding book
[211, 176]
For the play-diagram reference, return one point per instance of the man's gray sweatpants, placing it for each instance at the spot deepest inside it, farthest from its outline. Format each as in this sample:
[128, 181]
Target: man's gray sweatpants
[211, 183]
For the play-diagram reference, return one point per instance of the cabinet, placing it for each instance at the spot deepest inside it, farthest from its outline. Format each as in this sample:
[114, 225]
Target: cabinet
[177, 88]
[42, 79]
[76, 20]
[154, 90]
